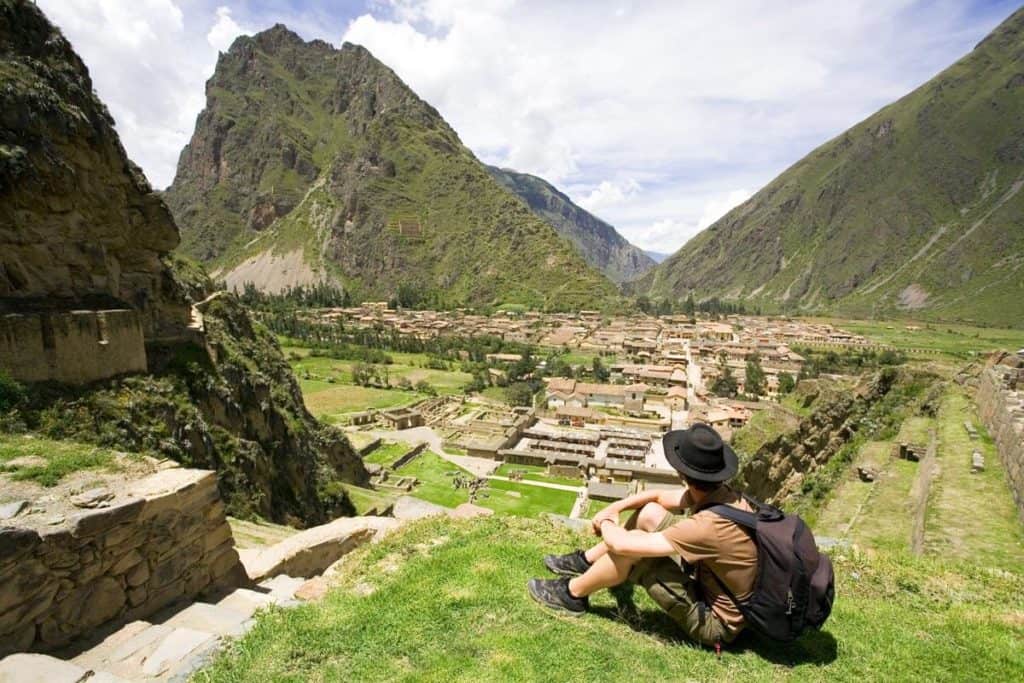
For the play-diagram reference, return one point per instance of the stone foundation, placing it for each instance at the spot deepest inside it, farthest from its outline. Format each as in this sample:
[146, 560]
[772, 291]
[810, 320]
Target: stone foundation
[73, 347]
[163, 538]
[1001, 408]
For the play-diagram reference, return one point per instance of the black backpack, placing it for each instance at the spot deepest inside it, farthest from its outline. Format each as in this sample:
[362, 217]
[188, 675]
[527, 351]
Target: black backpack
[795, 586]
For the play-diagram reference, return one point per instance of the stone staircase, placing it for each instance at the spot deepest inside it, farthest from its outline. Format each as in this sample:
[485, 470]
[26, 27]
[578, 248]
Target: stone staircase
[169, 646]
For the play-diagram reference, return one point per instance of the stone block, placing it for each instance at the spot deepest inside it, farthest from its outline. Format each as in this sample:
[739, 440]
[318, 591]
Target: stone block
[137, 596]
[33, 668]
[469, 511]
[313, 590]
[311, 551]
[173, 649]
[172, 489]
[169, 570]
[17, 641]
[138, 575]
[127, 561]
[223, 559]
[216, 536]
[91, 605]
[95, 522]
[32, 604]
[15, 542]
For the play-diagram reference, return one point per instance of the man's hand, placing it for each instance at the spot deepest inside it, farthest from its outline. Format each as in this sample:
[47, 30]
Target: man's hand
[609, 514]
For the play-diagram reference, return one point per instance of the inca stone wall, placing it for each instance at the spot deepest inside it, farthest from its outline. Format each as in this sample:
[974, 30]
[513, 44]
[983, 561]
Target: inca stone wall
[1001, 407]
[162, 539]
[74, 347]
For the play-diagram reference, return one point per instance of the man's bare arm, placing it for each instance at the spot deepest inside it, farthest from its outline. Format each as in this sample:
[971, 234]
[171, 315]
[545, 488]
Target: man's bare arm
[668, 499]
[635, 543]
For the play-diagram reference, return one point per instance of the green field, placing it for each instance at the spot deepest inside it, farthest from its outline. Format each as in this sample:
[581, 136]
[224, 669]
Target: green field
[436, 474]
[537, 473]
[387, 453]
[960, 341]
[366, 500]
[446, 601]
[971, 516]
[332, 402]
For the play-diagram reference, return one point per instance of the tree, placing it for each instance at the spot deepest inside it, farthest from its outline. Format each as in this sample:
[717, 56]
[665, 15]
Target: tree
[786, 383]
[725, 385]
[424, 387]
[690, 307]
[756, 383]
[601, 373]
[519, 394]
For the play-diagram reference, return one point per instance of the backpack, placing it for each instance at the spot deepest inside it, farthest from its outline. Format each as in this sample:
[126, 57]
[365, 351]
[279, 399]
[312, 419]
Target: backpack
[795, 586]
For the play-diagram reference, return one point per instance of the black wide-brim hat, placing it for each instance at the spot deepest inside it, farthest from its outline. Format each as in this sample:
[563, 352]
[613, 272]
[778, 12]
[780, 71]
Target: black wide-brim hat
[700, 453]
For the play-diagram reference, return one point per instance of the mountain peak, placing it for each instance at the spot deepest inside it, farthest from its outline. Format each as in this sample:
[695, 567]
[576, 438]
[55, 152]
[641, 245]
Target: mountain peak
[313, 164]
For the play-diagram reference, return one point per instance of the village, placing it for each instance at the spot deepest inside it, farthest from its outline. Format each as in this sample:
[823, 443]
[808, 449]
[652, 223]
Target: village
[596, 434]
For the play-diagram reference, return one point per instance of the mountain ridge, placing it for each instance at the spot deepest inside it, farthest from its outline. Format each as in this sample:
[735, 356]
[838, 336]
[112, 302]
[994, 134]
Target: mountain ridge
[311, 163]
[600, 244]
[913, 211]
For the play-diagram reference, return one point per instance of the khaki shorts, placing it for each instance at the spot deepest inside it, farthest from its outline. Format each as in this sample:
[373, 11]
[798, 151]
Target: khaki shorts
[674, 590]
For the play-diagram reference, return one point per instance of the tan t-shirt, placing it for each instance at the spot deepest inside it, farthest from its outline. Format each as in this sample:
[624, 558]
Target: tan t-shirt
[722, 546]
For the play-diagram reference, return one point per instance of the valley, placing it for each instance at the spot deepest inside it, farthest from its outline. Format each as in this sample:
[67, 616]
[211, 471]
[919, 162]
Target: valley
[318, 409]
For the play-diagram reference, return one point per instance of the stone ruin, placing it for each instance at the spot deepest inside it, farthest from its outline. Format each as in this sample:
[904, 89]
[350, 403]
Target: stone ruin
[909, 451]
[161, 539]
[1001, 408]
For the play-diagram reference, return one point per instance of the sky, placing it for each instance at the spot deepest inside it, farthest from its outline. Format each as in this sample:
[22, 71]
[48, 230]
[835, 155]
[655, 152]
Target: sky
[656, 115]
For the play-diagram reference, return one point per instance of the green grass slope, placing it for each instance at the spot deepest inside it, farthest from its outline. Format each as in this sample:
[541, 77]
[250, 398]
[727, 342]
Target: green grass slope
[312, 163]
[598, 242]
[446, 601]
[915, 211]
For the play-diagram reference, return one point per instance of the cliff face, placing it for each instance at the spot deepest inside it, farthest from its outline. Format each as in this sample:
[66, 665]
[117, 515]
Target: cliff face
[80, 227]
[311, 163]
[79, 224]
[777, 471]
[597, 242]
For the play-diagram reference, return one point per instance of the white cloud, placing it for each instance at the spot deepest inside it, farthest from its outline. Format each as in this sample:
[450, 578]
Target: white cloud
[609, 193]
[224, 32]
[719, 206]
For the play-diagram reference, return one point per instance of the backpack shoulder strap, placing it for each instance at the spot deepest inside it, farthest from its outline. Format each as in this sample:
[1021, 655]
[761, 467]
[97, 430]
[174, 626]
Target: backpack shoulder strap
[745, 519]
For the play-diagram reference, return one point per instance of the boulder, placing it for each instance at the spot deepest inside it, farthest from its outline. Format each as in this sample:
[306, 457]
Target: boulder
[310, 552]
[31, 668]
[11, 510]
[408, 508]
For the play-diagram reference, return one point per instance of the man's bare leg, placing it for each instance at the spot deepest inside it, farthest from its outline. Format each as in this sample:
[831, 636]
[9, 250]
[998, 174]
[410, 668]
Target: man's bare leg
[648, 519]
[609, 570]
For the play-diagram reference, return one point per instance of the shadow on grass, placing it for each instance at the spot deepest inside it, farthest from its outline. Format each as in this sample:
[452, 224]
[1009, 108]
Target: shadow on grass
[813, 647]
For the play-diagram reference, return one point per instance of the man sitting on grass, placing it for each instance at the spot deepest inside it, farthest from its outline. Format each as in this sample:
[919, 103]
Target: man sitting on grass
[671, 556]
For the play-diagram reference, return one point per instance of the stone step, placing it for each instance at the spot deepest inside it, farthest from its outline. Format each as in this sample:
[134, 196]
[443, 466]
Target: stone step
[219, 620]
[33, 668]
[141, 651]
[247, 601]
[282, 587]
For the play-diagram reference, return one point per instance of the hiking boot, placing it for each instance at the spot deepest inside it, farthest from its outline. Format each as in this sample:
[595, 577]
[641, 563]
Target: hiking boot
[571, 564]
[554, 593]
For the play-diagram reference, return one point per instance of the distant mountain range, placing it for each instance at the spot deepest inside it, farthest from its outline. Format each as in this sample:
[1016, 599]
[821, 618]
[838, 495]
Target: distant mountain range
[916, 211]
[657, 256]
[313, 164]
[599, 243]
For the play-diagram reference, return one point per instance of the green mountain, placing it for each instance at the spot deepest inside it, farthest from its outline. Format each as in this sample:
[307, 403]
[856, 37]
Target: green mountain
[311, 164]
[598, 242]
[915, 211]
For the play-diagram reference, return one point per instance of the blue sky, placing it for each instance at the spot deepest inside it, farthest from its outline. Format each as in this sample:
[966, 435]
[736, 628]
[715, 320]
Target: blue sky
[657, 115]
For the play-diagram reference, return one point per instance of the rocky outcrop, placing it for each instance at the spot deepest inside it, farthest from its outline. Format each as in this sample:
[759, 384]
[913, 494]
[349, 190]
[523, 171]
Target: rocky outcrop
[160, 539]
[598, 242]
[1001, 407]
[777, 470]
[80, 227]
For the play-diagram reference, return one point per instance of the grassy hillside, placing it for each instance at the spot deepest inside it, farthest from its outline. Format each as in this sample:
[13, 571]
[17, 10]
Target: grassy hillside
[598, 242]
[446, 601]
[916, 210]
[311, 163]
